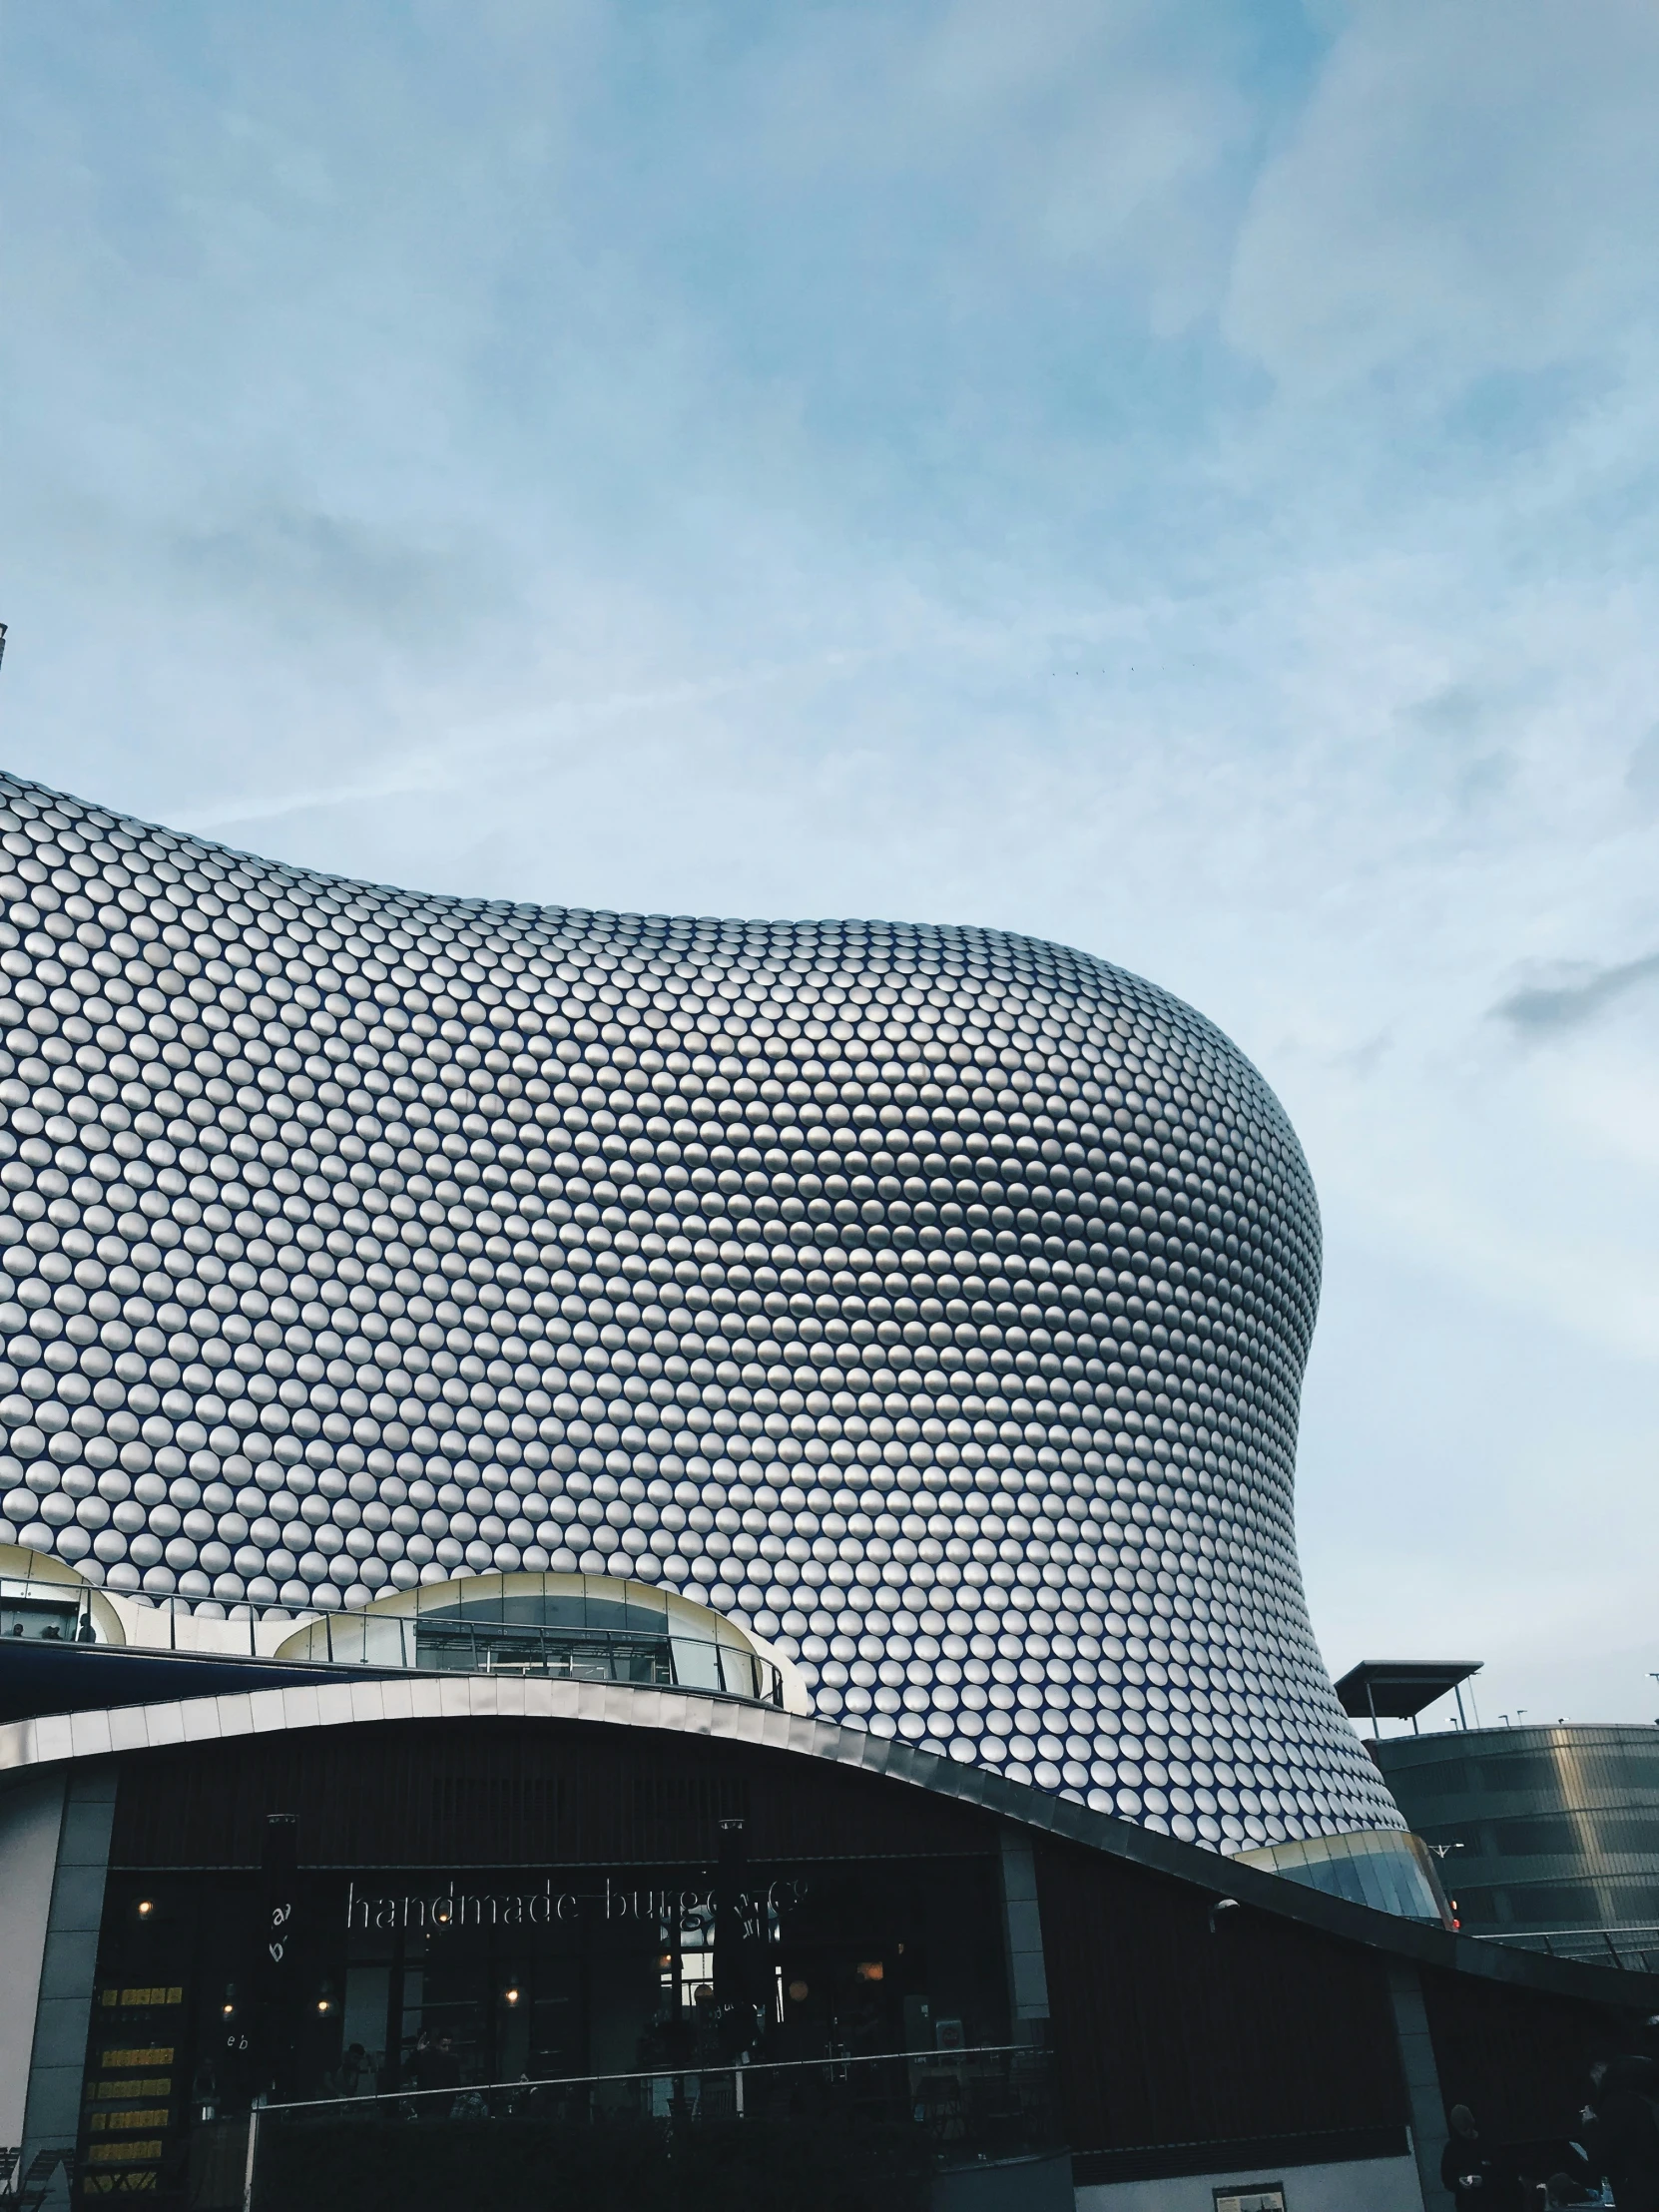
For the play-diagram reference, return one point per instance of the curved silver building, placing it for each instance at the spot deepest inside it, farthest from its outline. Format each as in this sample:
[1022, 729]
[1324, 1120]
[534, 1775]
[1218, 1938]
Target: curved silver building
[931, 1303]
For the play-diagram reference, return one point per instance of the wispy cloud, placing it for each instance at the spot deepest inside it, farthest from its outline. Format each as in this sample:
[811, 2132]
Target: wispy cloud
[1171, 477]
[1547, 1010]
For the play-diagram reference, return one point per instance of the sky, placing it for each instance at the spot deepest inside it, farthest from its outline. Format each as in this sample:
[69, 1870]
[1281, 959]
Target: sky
[1174, 477]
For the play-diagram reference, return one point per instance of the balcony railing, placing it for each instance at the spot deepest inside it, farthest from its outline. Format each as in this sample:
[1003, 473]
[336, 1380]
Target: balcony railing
[814, 2135]
[563, 1652]
[1632, 1945]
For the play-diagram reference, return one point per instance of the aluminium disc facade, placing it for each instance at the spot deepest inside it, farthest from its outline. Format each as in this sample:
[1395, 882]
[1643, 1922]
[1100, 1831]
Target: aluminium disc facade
[932, 1301]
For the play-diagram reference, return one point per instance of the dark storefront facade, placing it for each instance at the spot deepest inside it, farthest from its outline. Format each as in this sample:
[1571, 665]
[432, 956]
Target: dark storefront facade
[558, 1903]
[383, 1903]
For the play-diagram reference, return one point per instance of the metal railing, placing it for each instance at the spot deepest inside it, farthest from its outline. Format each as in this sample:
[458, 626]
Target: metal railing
[1633, 1946]
[438, 1643]
[835, 2130]
[244, 1615]
[558, 1651]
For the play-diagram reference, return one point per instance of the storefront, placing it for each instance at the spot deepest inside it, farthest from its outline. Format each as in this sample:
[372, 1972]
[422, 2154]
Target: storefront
[567, 1919]
[399, 1908]
[583, 1969]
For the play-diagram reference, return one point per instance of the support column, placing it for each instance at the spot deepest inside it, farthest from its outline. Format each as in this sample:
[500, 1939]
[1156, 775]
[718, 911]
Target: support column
[69, 1966]
[1023, 1934]
[31, 1822]
[1423, 2083]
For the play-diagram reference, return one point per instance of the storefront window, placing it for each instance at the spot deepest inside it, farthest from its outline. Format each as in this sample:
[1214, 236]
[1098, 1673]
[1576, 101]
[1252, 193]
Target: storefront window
[421, 1979]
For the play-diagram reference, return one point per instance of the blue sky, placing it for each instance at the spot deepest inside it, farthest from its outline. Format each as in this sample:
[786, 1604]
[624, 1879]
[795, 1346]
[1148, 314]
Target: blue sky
[1179, 479]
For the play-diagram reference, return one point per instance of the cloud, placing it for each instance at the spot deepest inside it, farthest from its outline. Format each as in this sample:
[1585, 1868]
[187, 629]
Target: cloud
[1468, 191]
[316, 568]
[1173, 479]
[1547, 1012]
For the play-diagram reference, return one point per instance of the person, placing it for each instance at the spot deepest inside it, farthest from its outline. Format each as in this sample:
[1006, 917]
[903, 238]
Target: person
[434, 2066]
[1479, 2180]
[1563, 2189]
[203, 2091]
[1621, 2130]
[353, 2067]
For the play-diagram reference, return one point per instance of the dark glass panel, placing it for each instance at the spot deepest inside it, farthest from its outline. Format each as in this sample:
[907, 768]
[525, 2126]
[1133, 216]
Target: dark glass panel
[1475, 1907]
[1555, 1904]
[1629, 1832]
[1552, 1835]
[1522, 1770]
[1435, 1777]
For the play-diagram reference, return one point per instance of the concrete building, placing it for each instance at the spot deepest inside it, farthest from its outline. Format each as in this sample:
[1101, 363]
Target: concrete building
[1546, 1831]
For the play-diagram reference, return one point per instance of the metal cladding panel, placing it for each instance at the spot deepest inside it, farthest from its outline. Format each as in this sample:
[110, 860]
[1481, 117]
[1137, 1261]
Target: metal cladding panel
[1553, 1828]
[931, 1301]
[1178, 2026]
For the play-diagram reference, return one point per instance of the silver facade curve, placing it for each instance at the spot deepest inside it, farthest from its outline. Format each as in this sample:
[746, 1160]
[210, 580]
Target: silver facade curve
[932, 1301]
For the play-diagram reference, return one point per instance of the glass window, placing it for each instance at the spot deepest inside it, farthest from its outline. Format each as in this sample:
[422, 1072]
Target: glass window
[696, 1664]
[1554, 1834]
[1522, 1770]
[1435, 1777]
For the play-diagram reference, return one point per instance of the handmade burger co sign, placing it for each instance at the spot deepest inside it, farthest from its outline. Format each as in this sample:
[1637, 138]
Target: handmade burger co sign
[457, 1907]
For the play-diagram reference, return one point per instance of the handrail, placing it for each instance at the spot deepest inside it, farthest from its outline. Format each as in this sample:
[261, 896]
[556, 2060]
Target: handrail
[1581, 1934]
[771, 1693]
[538, 1647]
[660, 2073]
[1627, 1946]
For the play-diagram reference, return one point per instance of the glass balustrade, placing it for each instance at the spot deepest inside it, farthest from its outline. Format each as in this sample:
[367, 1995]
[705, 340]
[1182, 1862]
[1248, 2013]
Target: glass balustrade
[816, 2134]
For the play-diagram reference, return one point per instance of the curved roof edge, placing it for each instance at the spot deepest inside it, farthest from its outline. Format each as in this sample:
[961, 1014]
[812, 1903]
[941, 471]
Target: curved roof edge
[58, 1739]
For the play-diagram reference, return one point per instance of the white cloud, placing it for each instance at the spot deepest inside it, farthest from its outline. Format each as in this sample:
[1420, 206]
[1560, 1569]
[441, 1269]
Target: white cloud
[827, 465]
